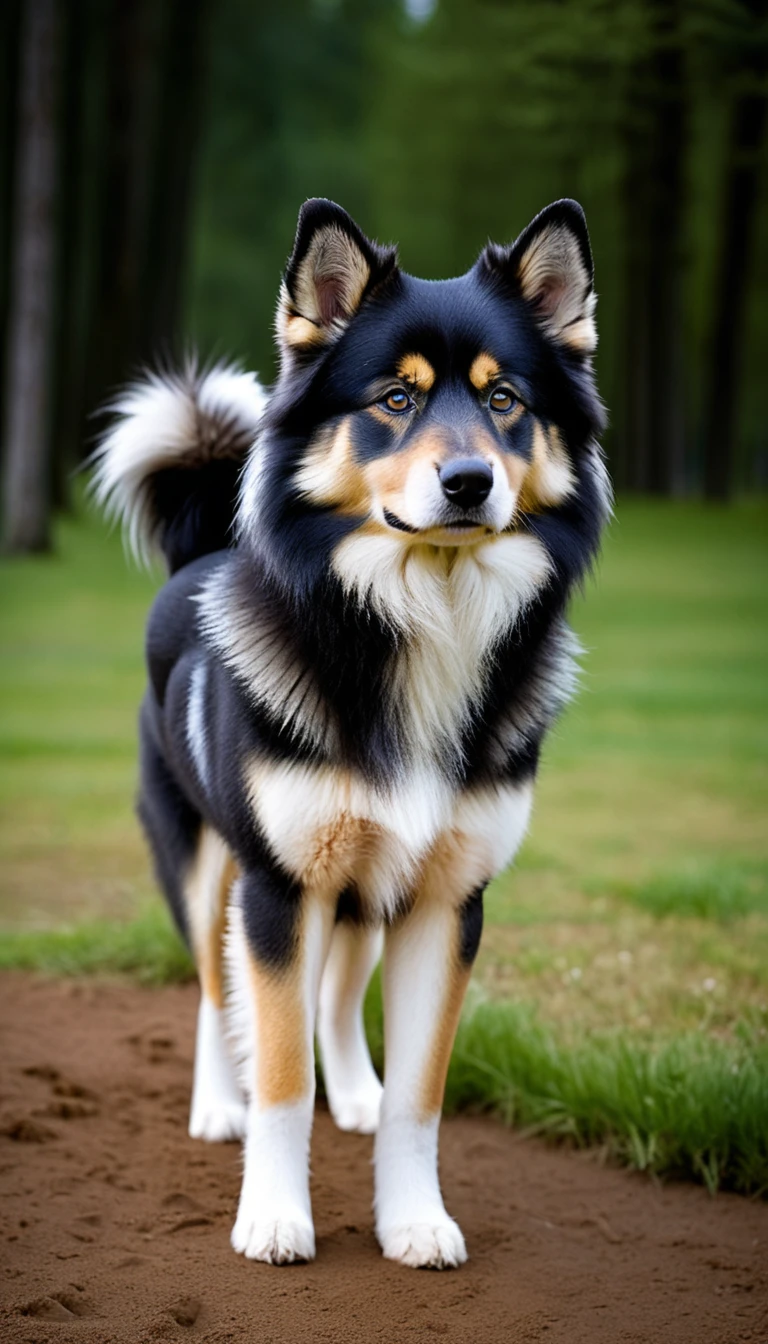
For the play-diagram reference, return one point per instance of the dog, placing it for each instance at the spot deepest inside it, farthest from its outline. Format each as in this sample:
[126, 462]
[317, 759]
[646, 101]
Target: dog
[352, 666]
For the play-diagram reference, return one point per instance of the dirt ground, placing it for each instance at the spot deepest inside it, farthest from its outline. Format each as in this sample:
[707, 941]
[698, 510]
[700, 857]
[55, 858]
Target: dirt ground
[115, 1225]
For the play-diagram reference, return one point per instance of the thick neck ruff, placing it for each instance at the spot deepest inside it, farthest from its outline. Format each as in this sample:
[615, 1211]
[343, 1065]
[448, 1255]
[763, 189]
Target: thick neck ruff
[445, 609]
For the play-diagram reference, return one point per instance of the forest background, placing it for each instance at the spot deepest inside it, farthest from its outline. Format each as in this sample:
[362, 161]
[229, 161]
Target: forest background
[154, 153]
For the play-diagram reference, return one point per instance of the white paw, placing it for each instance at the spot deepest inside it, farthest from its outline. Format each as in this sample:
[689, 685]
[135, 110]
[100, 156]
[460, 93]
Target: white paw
[276, 1241]
[217, 1121]
[425, 1245]
[358, 1113]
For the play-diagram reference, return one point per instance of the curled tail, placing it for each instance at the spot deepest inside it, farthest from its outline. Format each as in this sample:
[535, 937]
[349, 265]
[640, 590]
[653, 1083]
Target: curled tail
[169, 466]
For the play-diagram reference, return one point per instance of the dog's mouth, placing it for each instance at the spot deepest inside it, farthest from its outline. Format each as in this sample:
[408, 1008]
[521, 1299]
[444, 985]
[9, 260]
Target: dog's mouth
[450, 527]
[392, 520]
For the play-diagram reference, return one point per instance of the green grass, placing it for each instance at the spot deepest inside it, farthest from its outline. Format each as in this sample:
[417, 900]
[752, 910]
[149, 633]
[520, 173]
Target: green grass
[147, 948]
[722, 892]
[622, 988]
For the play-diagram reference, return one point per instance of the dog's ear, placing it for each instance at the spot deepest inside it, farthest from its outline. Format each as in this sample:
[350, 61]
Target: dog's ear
[550, 266]
[332, 269]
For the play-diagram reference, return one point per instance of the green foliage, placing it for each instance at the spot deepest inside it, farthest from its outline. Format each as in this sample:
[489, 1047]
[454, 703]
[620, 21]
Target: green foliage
[716, 891]
[147, 948]
[690, 1105]
[439, 133]
[687, 1105]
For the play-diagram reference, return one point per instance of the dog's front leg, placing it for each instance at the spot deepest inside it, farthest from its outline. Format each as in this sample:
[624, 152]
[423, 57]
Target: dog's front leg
[427, 961]
[279, 942]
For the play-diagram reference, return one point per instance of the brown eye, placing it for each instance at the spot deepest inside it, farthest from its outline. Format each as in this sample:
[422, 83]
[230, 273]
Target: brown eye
[502, 400]
[398, 401]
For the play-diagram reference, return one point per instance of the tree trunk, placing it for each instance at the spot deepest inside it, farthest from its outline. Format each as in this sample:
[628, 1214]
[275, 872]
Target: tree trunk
[175, 149]
[67, 380]
[633, 431]
[115, 317]
[651, 448]
[10, 25]
[745, 141]
[666, 389]
[26, 494]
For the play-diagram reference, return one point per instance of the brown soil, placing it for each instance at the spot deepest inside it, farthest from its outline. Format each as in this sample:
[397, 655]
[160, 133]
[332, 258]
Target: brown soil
[115, 1225]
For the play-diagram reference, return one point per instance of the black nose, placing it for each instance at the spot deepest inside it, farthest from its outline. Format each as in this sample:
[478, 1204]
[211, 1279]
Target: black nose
[466, 481]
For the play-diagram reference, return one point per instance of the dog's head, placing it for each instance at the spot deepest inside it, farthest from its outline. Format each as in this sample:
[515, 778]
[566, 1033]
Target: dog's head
[437, 412]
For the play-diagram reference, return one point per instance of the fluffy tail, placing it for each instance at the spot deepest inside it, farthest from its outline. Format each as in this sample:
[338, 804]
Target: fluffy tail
[169, 466]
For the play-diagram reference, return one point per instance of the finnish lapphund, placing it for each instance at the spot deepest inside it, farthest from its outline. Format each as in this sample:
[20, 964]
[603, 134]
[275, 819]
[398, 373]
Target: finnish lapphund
[359, 649]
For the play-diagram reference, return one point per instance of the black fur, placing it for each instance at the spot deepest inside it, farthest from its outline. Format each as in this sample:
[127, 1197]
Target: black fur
[471, 926]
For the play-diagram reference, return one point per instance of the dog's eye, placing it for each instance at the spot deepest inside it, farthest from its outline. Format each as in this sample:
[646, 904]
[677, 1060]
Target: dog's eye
[398, 401]
[502, 400]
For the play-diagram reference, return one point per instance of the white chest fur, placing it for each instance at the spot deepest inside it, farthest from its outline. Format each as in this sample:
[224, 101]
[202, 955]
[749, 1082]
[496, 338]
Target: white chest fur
[452, 606]
[330, 829]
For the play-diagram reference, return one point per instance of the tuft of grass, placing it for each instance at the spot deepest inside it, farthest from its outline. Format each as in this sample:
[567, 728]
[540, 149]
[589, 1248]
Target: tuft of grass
[689, 1106]
[718, 891]
[147, 948]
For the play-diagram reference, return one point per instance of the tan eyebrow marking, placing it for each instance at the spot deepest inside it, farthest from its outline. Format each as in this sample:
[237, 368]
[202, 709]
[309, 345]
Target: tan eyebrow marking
[417, 370]
[484, 369]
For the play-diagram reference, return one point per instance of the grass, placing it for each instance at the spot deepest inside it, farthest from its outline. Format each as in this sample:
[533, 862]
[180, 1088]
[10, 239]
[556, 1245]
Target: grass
[146, 947]
[622, 989]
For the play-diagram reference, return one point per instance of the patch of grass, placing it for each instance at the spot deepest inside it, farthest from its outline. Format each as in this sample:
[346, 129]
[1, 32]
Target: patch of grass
[687, 1106]
[147, 948]
[722, 892]
[691, 1106]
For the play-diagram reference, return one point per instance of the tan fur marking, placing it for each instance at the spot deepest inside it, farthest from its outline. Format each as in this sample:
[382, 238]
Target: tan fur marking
[515, 468]
[387, 476]
[300, 332]
[418, 371]
[282, 1063]
[549, 479]
[294, 331]
[433, 1083]
[206, 890]
[483, 370]
[330, 474]
[483, 445]
[383, 418]
[459, 864]
[327, 856]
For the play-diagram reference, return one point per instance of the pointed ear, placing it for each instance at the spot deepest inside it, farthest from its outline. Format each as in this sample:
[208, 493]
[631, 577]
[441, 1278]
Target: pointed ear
[333, 267]
[550, 266]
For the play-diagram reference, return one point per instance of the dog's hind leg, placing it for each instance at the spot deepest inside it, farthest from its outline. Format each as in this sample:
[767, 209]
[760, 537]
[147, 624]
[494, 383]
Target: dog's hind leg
[194, 871]
[353, 1089]
[218, 1106]
[278, 945]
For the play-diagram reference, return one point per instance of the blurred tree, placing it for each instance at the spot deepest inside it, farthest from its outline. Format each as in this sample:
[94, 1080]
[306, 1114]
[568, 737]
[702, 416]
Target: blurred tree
[651, 449]
[125, 132]
[182, 73]
[116, 313]
[26, 465]
[10, 18]
[733, 264]
[67, 390]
